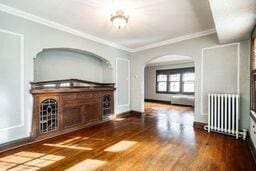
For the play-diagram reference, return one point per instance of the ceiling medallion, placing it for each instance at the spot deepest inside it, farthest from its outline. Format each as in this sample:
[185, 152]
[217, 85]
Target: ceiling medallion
[119, 19]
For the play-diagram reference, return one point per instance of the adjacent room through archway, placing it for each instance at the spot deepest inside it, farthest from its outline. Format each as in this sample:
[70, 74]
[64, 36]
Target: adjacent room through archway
[169, 83]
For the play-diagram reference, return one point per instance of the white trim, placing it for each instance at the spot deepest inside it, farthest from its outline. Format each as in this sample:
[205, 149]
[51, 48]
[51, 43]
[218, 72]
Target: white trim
[175, 40]
[129, 81]
[238, 68]
[22, 79]
[169, 63]
[52, 24]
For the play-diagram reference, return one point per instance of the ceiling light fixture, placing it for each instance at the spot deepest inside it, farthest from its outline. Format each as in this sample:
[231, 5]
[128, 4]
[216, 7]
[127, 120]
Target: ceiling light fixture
[119, 19]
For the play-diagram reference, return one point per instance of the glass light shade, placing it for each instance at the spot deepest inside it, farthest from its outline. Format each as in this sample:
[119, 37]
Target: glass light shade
[119, 22]
[118, 19]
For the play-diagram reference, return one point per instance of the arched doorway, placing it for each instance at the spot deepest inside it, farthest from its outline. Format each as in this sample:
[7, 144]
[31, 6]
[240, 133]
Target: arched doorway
[169, 91]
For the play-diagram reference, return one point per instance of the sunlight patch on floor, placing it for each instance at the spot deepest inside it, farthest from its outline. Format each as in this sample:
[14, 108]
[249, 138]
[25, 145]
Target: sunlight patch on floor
[119, 119]
[121, 146]
[97, 139]
[68, 146]
[87, 165]
[69, 140]
[28, 161]
[72, 141]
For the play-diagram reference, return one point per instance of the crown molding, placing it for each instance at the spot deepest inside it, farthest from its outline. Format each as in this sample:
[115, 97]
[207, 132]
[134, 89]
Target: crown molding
[169, 63]
[52, 24]
[175, 40]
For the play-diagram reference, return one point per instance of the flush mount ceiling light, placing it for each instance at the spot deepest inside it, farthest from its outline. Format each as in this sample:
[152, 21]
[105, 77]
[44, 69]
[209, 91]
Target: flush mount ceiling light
[119, 19]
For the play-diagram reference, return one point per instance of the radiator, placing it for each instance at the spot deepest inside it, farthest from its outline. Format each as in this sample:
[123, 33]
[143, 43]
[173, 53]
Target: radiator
[223, 114]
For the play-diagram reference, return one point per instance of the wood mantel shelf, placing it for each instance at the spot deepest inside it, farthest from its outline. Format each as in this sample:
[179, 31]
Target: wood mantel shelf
[62, 106]
[69, 83]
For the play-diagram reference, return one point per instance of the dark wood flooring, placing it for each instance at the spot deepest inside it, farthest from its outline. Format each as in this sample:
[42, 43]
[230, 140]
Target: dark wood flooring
[151, 142]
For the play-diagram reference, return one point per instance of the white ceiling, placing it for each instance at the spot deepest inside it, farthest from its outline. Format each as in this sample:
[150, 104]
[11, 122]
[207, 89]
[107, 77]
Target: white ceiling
[234, 19]
[151, 21]
[169, 59]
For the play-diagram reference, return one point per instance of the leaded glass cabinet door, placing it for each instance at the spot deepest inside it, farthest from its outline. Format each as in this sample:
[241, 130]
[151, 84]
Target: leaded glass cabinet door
[107, 104]
[48, 115]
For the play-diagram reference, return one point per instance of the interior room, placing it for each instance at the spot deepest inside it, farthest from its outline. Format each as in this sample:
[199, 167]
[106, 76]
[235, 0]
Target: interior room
[169, 88]
[127, 85]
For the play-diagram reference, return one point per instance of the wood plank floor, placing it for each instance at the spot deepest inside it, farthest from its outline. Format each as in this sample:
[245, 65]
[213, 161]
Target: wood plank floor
[183, 115]
[151, 142]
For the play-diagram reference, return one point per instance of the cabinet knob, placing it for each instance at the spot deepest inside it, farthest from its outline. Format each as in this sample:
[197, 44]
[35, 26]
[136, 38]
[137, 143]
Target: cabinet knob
[253, 126]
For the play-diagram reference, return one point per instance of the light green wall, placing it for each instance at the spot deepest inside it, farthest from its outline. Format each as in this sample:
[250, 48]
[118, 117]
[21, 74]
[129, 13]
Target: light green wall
[36, 38]
[150, 80]
[62, 64]
[193, 49]
[245, 82]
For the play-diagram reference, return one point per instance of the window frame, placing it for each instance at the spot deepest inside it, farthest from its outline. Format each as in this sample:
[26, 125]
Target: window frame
[168, 72]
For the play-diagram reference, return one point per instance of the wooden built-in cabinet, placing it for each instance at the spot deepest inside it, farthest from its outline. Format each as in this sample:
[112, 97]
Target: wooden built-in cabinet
[253, 74]
[66, 105]
[252, 127]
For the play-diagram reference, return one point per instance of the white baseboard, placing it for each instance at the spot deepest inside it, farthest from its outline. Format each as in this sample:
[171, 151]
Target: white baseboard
[122, 109]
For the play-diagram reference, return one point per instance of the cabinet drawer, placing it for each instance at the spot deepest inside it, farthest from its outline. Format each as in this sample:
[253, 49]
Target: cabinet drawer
[80, 101]
[81, 96]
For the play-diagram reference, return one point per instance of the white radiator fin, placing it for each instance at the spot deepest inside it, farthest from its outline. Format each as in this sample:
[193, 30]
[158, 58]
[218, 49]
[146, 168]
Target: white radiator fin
[223, 113]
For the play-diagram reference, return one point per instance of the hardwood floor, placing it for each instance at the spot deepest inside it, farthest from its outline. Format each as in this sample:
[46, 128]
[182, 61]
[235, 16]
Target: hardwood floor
[150, 142]
[174, 113]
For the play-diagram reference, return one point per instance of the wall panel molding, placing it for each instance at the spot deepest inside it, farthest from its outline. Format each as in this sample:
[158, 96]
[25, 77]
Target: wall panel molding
[123, 107]
[22, 123]
[202, 73]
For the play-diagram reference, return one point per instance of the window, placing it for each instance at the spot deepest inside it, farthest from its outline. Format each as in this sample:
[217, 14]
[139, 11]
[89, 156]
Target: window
[174, 83]
[188, 82]
[180, 81]
[161, 83]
